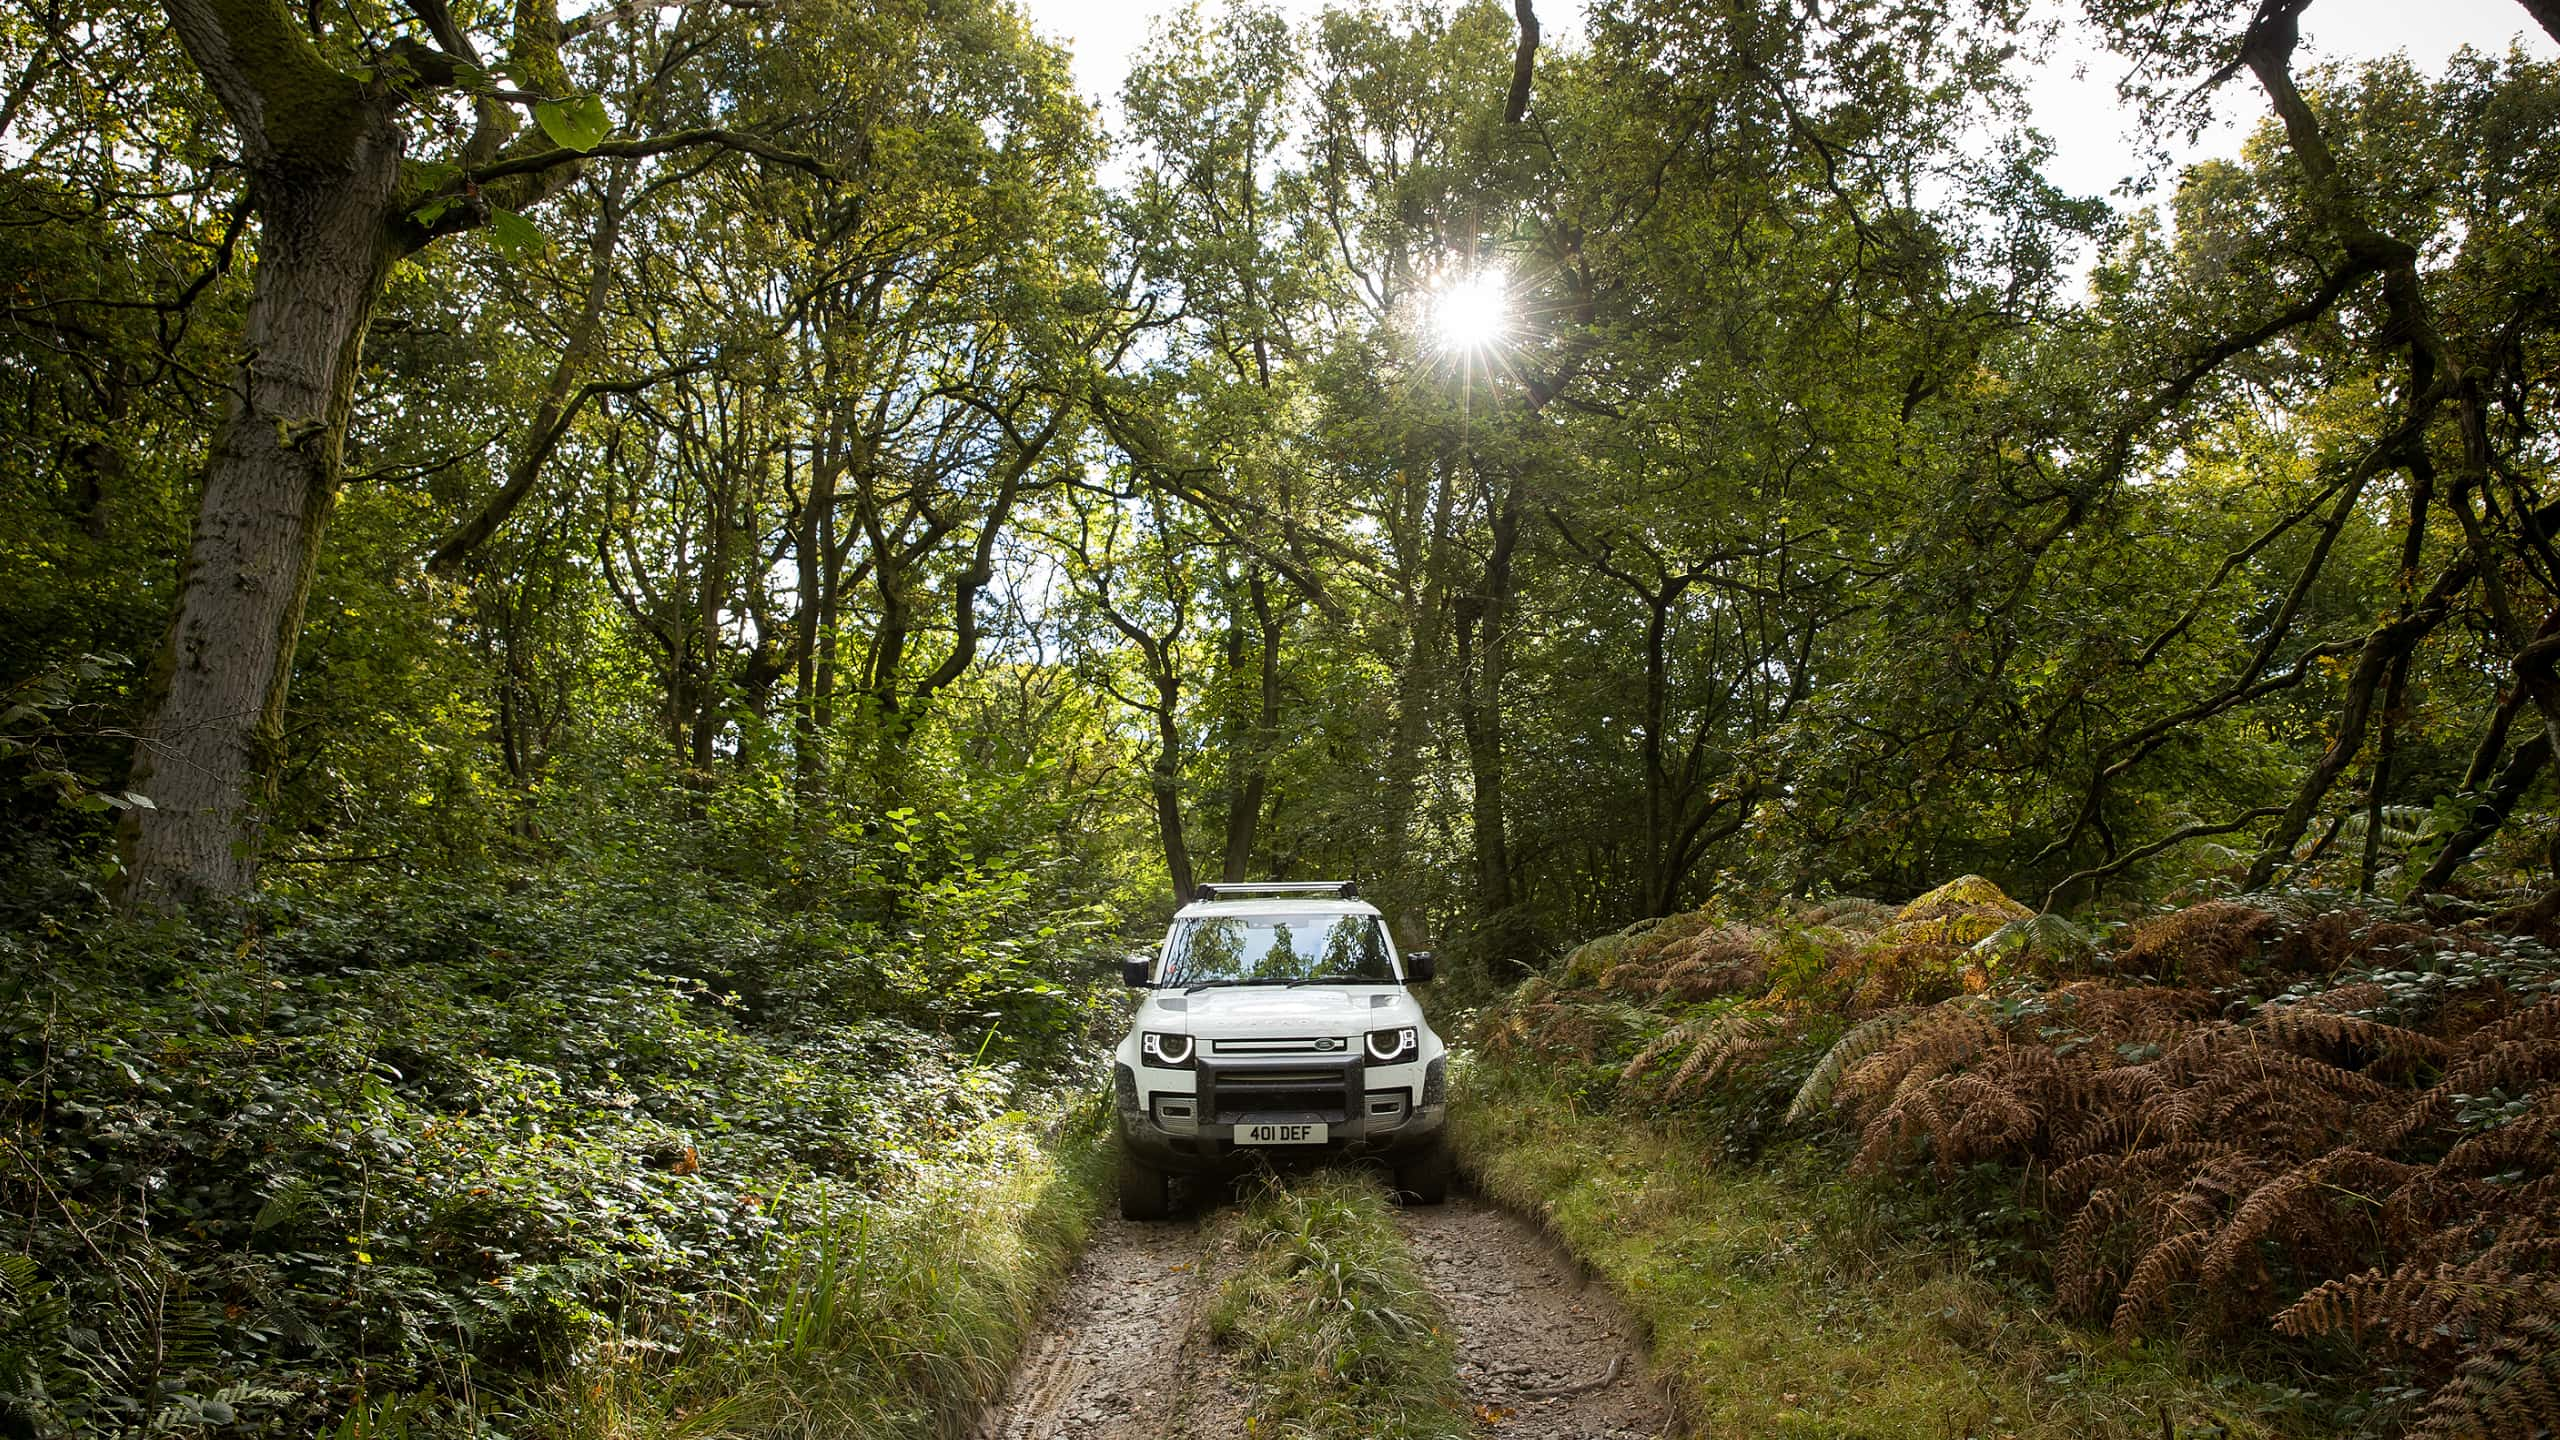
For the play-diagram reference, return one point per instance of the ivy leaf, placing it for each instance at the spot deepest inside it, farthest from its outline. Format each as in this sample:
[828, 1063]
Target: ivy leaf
[514, 234]
[577, 123]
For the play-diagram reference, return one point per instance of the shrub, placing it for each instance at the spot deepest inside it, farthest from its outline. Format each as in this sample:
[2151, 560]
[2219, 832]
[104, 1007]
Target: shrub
[447, 1142]
[2284, 1111]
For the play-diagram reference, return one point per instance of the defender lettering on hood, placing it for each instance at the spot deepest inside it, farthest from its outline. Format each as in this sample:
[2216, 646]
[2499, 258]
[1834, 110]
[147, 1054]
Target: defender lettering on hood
[1277, 1025]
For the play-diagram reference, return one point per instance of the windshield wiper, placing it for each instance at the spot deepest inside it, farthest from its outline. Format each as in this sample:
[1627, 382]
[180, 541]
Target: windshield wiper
[1206, 984]
[1334, 980]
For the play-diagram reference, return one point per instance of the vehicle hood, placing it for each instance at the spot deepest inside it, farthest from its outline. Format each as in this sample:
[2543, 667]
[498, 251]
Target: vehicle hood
[1273, 1010]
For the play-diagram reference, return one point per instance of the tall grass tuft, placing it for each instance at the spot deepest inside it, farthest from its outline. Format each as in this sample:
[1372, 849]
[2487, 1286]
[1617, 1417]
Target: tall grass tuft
[897, 1324]
[1337, 1328]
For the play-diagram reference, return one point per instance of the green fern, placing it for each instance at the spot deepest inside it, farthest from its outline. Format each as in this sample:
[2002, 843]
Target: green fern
[2046, 941]
[34, 1326]
[1862, 1040]
[2401, 824]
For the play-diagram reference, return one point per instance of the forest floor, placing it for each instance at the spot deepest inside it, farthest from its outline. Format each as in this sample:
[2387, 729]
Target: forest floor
[1127, 1348]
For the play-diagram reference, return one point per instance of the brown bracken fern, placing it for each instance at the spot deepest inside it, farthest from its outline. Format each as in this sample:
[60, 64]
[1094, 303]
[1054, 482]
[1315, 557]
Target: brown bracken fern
[2372, 1154]
[2288, 1110]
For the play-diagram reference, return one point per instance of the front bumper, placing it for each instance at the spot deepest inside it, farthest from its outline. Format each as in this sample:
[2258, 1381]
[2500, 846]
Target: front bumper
[1207, 1141]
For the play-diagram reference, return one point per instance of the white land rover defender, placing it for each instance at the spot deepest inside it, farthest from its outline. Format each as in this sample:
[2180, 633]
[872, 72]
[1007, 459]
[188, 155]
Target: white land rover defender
[1277, 1024]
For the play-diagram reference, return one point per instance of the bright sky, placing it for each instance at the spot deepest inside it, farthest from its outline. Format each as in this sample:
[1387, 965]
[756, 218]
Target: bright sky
[2074, 96]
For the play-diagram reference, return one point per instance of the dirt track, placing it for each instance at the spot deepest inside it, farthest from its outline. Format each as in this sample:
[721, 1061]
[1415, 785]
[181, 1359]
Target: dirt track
[1124, 1353]
[1552, 1357]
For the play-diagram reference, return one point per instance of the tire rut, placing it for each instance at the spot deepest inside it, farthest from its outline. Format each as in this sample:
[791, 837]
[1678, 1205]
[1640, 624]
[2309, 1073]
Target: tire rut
[1123, 1352]
[1541, 1352]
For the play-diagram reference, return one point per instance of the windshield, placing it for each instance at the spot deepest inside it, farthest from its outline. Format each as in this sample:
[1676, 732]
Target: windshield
[1276, 949]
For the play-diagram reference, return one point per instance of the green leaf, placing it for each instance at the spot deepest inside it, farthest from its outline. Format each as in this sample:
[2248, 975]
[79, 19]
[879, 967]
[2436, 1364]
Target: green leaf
[514, 234]
[577, 123]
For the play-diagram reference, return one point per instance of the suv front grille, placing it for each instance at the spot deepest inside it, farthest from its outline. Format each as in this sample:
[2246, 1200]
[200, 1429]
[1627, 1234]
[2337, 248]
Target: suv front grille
[1282, 1045]
[1315, 1092]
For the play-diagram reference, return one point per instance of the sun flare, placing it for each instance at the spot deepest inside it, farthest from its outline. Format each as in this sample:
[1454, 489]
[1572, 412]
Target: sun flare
[1472, 312]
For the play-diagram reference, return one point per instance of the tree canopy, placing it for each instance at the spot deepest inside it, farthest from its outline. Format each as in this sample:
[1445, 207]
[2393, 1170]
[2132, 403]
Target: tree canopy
[1551, 482]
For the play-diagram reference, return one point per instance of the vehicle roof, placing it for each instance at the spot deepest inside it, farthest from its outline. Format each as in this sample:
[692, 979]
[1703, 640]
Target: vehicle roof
[1276, 905]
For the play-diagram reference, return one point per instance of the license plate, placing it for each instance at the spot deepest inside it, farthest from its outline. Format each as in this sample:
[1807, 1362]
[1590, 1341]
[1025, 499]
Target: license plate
[1280, 1134]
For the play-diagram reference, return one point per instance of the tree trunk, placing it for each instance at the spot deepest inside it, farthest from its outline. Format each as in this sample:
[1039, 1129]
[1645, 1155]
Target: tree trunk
[1250, 757]
[2490, 813]
[2547, 12]
[1663, 870]
[1167, 778]
[2382, 648]
[1484, 655]
[551, 417]
[208, 753]
[702, 719]
[1419, 691]
[813, 543]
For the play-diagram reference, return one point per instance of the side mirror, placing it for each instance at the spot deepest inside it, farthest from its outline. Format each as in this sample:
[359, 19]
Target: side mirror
[1419, 966]
[1133, 971]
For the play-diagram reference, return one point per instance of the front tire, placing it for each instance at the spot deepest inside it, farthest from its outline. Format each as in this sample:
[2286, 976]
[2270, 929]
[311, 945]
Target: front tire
[1145, 1191]
[1423, 1177]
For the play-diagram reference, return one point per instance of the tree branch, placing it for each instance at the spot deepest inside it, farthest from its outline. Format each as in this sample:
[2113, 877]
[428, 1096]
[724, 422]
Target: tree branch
[2139, 854]
[538, 161]
[1516, 107]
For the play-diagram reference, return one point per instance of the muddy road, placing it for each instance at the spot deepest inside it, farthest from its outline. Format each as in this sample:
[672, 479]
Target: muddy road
[1124, 1353]
[1540, 1351]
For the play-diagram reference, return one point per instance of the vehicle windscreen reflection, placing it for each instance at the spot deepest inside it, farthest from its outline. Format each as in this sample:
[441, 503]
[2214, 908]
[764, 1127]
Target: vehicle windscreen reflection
[1276, 950]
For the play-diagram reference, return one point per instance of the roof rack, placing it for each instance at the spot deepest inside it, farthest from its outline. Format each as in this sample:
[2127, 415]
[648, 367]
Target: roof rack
[1232, 889]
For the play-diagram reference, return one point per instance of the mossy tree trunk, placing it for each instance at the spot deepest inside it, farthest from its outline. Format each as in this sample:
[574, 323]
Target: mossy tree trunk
[323, 150]
[323, 155]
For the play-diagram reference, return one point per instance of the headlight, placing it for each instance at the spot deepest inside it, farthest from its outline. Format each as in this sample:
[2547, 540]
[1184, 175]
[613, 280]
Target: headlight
[1401, 1043]
[1161, 1048]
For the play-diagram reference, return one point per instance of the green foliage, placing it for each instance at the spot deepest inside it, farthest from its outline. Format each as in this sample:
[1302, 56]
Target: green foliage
[461, 1143]
[793, 593]
[897, 1321]
[577, 123]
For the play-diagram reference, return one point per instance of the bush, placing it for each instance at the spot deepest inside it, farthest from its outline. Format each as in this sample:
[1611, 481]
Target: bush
[445, 1144]
[2275, 1111]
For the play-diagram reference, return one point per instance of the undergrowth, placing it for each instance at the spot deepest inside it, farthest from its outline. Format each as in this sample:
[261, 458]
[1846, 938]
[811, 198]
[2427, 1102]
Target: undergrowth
[518, 1159]
[1782, 1301]
[899, 1321]
[1337, 1328]
[2315, 1133]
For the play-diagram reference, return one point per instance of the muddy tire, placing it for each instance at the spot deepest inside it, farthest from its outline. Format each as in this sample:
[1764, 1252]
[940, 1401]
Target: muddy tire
[1145, 1191]
[1423, 1177]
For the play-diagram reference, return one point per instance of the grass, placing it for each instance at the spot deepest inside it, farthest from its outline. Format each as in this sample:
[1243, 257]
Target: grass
[1338, 1332]
[1780, 1302]
[899, 1327]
